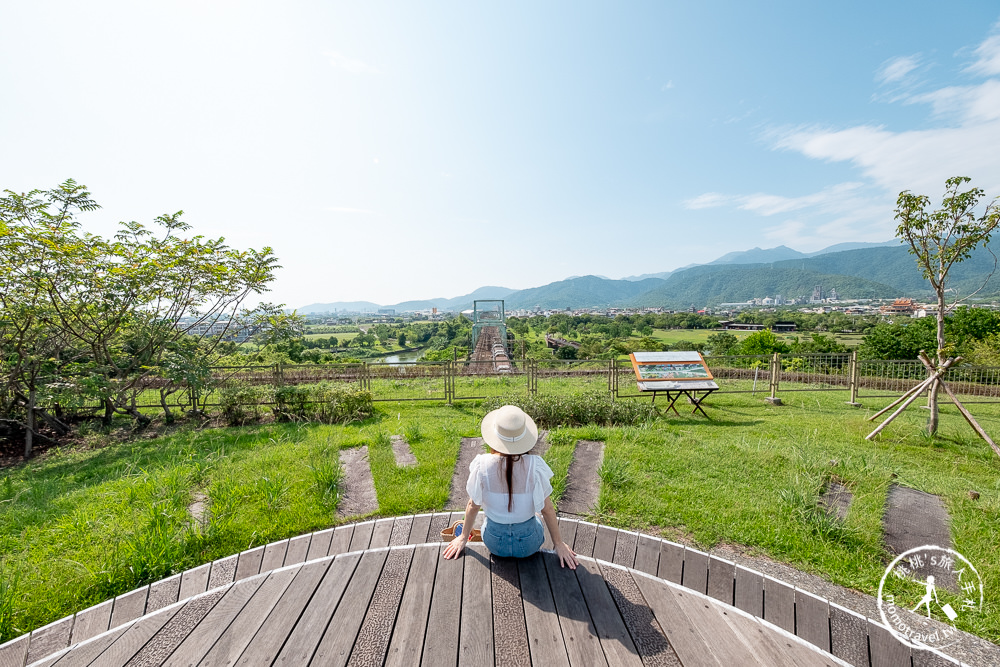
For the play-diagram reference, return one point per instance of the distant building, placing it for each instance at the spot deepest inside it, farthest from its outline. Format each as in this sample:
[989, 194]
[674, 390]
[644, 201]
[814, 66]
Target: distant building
[899, 307]
[833, 295]
[386, 311]
[817, 296]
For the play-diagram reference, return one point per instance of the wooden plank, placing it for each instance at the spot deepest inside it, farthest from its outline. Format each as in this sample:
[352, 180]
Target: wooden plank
[298, 547]
[411, 622]
[547, 542]
[319, 545]
[418, 529]
[848, 635]
[721, 579]
[341, 542]
[567, 530]
[308, 631]
[685, 637]
[194, 581]
[129, 606]
[706, 617]
[695, 574]
[619, 649]
[604, 544]
[273, 632]
[924, 658]
[335, 646]
[647, 554]
[362, 536]
[649, 638]
[586, 536]
[439, 521]
[230, 646]
[779, 604]
[92, 622]
[400, 531]
[773, 648]
[176, 630]
[812, 619]
[381, 533]
[545, 639]
[475, 640]
[49, 639]
[885, 649]
[14, 652]
[510, 633]
[198, 642]
[441, 645]
[582, 642]
[749, 592]
[274, 556]
[135, 637]
[625, 547]
[163, 593]
[372, 643]
[671, 566]
[248, 563]
[223, 572]
[85, 654]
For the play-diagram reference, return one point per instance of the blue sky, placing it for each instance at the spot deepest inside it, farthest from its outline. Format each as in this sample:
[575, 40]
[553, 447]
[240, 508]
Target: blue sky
[395, 151]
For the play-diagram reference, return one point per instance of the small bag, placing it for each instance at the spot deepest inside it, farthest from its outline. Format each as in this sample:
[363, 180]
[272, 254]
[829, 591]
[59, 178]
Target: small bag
[455, 530]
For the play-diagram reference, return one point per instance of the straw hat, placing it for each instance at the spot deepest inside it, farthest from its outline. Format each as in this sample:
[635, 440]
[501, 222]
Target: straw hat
[509, 430]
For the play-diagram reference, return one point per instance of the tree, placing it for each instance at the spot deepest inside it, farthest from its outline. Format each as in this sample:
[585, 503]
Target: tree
[761, 342]
[940, 239]
[101, 316]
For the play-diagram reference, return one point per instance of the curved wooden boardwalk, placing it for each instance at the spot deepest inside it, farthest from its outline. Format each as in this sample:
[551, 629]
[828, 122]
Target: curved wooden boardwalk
[378, 592]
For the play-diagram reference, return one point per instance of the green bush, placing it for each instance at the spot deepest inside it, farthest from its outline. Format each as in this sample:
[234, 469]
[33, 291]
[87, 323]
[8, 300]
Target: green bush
[241, 403]
[578, 410]
[326, 402]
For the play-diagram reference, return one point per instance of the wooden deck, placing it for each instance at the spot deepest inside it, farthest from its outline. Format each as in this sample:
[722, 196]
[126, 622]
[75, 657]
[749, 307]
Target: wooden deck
[378, 592]
[407, 606]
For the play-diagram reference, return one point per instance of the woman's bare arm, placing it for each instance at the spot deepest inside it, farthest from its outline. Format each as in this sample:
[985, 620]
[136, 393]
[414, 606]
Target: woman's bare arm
[457, 545]
[566, 555]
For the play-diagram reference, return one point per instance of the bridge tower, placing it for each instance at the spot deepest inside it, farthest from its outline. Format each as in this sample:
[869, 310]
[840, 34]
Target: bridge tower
[488, 313]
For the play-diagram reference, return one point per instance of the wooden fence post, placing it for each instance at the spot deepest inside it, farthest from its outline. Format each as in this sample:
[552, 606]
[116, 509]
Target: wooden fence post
[775, 373]
[852, 371]
[29, 432]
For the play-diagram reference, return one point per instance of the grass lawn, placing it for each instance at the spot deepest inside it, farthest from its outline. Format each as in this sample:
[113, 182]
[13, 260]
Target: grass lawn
[85, 523]
[342, 338]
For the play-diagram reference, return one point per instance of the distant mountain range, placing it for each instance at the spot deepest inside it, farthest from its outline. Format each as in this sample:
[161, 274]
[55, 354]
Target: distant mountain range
[855, 270]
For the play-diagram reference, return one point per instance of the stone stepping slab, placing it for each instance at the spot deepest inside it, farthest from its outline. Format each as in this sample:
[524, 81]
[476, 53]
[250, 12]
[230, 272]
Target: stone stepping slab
[846, 634]
[402, 453]
[358, 494]
[836, 500]
[914, 519]
[469, 449]
[583, 486]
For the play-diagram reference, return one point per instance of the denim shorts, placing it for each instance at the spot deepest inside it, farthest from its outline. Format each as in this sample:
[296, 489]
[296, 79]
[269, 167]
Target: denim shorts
[514, 540]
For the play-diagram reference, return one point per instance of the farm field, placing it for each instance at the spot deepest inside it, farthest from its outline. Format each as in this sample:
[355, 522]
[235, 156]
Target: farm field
[82, 524]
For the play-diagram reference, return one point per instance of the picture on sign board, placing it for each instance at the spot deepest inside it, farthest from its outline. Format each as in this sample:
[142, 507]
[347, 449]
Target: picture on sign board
[672, 369]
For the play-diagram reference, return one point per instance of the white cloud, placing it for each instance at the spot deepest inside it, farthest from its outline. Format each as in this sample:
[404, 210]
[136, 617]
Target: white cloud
[348, 64]
[896, 69]
[988, 54]
[707, 200]
[668, 85]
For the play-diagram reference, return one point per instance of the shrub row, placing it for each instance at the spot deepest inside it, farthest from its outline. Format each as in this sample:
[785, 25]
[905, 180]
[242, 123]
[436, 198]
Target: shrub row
[578, 410]
[326, 402]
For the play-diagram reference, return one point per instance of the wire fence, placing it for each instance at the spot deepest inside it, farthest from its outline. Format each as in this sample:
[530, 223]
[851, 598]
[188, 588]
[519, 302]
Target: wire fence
[457, 380]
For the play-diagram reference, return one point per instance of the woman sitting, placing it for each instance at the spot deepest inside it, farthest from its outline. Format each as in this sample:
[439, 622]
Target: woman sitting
[511, 486]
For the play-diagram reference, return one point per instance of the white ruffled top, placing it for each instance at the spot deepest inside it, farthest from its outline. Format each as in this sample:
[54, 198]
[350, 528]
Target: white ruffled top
[487, 486]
